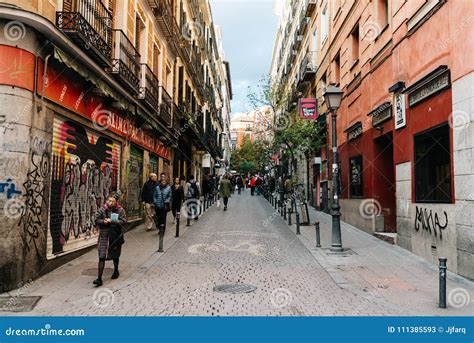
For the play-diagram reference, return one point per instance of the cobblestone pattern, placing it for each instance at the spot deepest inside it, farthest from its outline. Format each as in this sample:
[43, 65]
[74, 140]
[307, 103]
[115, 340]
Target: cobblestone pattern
[246, 244]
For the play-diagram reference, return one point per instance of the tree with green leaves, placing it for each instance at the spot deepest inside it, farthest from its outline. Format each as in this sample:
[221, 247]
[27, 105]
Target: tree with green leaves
[251, 157]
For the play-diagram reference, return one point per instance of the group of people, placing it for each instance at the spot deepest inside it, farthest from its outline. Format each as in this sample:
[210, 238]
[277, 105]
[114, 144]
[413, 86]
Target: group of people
[158, 198]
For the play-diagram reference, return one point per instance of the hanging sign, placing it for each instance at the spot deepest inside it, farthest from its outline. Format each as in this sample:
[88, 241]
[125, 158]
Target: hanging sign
[399, 110]
[308, 108]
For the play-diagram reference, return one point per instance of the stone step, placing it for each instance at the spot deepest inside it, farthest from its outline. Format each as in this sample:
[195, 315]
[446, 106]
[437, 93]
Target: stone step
[389, 237]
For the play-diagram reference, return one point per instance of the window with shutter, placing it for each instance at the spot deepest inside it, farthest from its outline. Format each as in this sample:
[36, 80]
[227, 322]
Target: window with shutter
[68, 5]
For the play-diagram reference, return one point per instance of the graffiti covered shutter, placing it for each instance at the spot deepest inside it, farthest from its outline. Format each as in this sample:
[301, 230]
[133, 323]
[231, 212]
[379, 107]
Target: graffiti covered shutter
[85, 169]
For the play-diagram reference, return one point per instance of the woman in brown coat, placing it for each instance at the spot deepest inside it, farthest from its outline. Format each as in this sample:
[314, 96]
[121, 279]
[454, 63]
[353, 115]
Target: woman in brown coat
[111, 219]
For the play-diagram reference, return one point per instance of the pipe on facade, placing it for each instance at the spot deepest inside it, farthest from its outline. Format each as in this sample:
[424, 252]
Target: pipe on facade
[43, 81]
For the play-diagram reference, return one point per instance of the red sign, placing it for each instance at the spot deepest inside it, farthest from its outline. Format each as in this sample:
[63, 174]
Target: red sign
[65, 89]
[308, 109]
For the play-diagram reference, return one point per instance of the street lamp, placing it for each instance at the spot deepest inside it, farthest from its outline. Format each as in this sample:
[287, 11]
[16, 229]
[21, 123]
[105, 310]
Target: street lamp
[333, 97]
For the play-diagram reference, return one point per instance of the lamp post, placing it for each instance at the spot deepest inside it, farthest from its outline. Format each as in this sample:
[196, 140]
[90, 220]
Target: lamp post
[333, 97]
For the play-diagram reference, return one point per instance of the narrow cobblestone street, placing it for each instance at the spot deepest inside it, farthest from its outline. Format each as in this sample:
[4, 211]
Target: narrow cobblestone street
[247, 244]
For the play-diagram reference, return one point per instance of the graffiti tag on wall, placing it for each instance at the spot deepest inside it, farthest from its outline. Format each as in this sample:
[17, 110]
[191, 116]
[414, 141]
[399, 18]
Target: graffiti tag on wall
[85, 169]
[430, 221]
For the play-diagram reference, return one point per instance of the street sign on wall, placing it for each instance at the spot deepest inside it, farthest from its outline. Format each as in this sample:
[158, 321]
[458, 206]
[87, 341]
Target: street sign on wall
[308, 108]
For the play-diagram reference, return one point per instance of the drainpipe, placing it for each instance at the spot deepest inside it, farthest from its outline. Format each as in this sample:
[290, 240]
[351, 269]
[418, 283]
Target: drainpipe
[45, 69]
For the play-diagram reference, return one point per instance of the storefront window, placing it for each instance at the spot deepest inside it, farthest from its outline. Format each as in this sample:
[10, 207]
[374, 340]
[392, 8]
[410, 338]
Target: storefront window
[355, 174]
[433, 166]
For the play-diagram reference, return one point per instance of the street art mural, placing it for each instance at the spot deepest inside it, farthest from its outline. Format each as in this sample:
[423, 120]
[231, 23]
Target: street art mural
[85, 169]
[134, 172]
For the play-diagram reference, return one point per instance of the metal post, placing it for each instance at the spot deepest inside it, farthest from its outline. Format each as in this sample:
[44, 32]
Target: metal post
[336, 245]
[298, 232]
[318, 237]
[284, 211]
[178, 214]
[442, 282]
[289, 215]
[188, 215]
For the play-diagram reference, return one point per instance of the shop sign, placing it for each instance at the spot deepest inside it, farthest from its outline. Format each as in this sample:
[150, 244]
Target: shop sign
[72, 94]
[381, 113]
[354, 131]
[432, 85]
[308, 108]
[399, 109]
[206, 161]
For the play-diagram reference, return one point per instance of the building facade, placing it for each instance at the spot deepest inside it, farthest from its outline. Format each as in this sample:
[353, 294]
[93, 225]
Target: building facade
[254, 125]
[405, 123]
[96, 95]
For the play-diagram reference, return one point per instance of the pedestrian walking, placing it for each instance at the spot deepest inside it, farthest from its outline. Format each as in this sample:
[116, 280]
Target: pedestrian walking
[111, 220]
[258, 184]
[193, 192]
[207, 186]
[225, 190]
[177, 197]
[147, 199]
[162, 199]
[252, 185]
[240, 183]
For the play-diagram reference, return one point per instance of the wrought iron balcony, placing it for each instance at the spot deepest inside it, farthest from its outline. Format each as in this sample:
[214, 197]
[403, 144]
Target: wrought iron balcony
[167, 23]
[309, 7]
[126, 62]
[308, 66]
[149, 88]
[166, 107]
[303, 24]
[88, 23]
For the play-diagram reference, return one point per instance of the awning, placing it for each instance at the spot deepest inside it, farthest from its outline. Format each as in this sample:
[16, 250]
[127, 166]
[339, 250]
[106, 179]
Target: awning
[62, 57]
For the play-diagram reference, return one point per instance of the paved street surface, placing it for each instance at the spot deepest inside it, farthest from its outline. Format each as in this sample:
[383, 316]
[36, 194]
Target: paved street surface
[248, 244]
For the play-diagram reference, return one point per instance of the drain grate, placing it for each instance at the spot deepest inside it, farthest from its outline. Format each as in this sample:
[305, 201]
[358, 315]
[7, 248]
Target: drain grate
[235, 288]
[18, 303]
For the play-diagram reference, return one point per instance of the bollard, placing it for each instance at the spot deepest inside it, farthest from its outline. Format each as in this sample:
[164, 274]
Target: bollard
[284, 211]
[442, 282]
[177, 223]
[318, 237]
[298, 232]
[289, 215]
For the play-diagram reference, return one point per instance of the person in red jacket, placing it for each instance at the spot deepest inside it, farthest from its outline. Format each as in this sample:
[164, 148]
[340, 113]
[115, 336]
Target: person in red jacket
[252, 185]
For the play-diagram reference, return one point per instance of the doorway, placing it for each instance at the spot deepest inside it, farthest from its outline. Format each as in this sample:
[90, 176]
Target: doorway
[384, 180]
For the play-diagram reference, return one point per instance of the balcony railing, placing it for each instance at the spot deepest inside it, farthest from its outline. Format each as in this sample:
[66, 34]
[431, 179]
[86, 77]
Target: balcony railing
[89, 25]
[308, 66]
[126, 62]
[166, 107]
[309, 7]
[167, 23]
[149, 88]
[303, 24]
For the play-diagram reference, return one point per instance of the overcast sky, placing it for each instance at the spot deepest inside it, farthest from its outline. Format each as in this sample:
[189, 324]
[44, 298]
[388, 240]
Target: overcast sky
[248, 30]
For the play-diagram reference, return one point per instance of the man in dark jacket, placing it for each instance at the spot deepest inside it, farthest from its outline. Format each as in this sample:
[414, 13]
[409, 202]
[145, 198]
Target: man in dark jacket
[147, 199]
